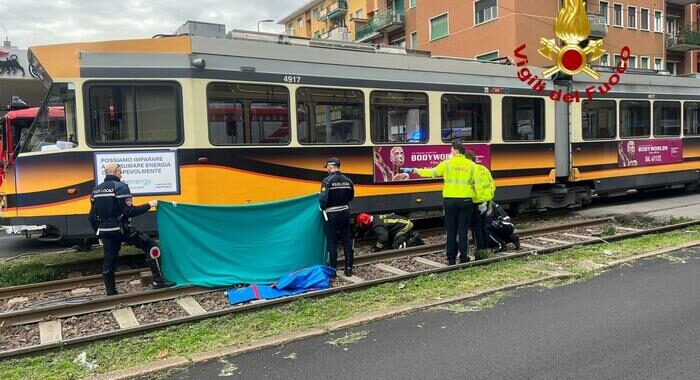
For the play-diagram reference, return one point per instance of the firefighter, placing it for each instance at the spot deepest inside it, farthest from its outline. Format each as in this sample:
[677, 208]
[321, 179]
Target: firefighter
[111, 207]
[458, 190]
[499, 229]
[484, 190]
[392, 231]
[337, 191]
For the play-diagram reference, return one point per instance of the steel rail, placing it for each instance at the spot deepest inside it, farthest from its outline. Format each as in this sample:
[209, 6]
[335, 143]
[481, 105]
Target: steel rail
[65, 284]
[326, 292]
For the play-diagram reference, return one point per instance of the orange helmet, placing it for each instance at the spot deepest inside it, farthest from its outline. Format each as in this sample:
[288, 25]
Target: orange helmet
[363, 220]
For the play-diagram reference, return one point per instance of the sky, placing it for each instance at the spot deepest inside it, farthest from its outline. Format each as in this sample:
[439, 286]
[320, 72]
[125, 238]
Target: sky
[39, 22]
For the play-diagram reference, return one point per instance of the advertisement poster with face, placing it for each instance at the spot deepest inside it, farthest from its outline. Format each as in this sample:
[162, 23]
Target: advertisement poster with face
[632, 153]
[389, 160]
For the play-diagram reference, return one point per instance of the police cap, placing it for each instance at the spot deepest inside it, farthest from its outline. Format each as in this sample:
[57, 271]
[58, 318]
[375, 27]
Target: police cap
[332, 161]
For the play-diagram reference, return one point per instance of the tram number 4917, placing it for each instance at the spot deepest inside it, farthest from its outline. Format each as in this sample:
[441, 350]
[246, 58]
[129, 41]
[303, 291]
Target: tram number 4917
[292, 79]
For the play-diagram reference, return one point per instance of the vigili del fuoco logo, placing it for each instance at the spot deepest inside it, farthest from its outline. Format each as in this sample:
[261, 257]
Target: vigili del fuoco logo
[572, 27]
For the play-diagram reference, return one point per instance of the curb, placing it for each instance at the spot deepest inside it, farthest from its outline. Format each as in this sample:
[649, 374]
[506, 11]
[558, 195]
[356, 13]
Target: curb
[180, 361]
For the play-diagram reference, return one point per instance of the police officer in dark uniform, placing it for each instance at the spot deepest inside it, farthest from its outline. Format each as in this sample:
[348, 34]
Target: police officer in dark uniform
[337, 191]
[111, 206]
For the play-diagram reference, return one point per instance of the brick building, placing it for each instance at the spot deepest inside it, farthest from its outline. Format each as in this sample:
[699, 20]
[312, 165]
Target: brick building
[662, 35]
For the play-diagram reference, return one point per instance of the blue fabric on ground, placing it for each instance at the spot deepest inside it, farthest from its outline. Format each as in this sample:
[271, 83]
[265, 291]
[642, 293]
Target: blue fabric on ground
[215, 246]
[316, 277]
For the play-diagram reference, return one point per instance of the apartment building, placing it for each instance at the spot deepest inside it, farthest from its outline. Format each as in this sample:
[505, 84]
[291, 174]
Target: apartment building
[662, 35]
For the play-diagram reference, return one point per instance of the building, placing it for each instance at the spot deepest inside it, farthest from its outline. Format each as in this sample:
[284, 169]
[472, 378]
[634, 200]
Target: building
[662, 35]
[16, 79]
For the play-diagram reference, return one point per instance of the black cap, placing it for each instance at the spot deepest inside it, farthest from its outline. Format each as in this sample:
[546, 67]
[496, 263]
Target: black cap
[332, 161]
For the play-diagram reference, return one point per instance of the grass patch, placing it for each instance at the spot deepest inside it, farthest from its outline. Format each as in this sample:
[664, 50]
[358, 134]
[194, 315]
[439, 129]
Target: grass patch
[211, 334]
[482, 303]
[35, 268]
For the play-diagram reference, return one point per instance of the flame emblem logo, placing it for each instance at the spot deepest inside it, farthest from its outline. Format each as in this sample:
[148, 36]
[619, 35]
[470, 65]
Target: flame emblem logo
[572, 27]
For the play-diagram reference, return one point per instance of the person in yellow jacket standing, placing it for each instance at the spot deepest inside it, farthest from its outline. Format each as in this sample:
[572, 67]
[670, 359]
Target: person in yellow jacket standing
[484, 190]
[458, 191]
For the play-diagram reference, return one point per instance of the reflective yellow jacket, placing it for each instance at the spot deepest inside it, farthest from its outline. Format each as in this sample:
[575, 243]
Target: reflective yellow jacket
[458, 174]
[484, 187]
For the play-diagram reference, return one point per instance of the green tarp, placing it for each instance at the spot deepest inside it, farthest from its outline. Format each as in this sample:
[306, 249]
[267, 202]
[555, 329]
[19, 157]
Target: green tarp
[215, 246]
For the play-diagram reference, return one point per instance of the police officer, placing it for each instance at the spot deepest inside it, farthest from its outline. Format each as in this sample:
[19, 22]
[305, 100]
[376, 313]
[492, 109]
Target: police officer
[484, 190]
[111, 206]
[392, 231]
[337, 191]
[458, 191]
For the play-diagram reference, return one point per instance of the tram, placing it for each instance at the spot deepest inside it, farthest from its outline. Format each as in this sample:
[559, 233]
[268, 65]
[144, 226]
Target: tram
[251, 117]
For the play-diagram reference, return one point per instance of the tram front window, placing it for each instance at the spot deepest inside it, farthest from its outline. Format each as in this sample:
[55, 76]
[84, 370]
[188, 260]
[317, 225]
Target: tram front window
[54, 127]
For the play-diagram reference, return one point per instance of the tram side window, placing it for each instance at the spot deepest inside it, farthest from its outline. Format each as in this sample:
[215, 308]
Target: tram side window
[248, 114]
[330, 116]
[667, 118]
[54, 127]
[599, 119]
[635, 118]
[399, 117]
[466, 118]
[523, 119]
[139, 114]
[691, 112]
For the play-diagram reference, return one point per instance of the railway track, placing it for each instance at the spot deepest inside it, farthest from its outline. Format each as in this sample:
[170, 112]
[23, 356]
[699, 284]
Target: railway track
[129, 313]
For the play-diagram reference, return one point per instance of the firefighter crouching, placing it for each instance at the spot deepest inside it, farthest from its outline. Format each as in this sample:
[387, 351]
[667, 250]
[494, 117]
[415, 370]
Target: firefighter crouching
[337, 191]
[392, 231]
[111, 206]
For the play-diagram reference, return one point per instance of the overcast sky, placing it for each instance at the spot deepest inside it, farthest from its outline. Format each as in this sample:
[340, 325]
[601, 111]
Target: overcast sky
[39, 22]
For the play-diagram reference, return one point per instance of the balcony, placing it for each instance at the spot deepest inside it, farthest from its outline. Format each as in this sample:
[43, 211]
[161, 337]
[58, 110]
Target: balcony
[686, 39]
[339, 33]
[322, 14]
[365, 33]
[599, 26]
[337, 9]
[389, 21]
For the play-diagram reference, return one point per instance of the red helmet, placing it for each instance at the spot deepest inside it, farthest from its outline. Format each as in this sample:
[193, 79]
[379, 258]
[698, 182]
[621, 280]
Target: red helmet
[363, 220]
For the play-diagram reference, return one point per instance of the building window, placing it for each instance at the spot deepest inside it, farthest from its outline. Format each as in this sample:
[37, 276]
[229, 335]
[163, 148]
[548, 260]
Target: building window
[135, 114]
[644, 63]
[632, 17]
[485, 10]
[399, 117]
[644, 19]
[658, 22]
[667, 118]
[605, 60]
[658, 64]
[246, 114]
[439, 27]
[635, 118]
[414, 41]
[358, 14]
[604, 11]
[617, 59]
[400, 42]
[412, 3]
[466, 118]
[672, 67]
[523, 119]
[316, 14]
[300, 22]
[599, 119]
[330, 116]
[617, 15]
[493, 56]
[691, 115]
[290, 29]
[632, 62]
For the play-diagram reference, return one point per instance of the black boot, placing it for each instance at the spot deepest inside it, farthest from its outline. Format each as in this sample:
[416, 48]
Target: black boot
[516, 241]
[109, 283]
[158, 280]
[348, 272]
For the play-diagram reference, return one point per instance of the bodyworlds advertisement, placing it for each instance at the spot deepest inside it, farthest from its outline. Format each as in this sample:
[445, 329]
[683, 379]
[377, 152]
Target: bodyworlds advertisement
[389, 160]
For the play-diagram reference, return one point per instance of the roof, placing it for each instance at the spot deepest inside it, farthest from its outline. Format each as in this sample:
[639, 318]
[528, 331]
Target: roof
[297, 12]
[54, 112]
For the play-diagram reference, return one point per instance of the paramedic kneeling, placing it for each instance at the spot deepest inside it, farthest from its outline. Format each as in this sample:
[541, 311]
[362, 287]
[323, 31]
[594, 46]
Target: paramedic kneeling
[111, 206]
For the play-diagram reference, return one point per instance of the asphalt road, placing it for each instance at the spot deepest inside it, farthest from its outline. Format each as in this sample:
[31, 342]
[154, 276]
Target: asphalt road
[14, 245]
[640, 321]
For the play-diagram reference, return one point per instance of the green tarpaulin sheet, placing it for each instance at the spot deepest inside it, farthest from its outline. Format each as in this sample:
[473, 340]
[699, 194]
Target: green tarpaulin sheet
[214, 246]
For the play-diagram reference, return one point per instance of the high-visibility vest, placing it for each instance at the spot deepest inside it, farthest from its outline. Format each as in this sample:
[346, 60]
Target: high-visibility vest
[458, 174]
[484, 187]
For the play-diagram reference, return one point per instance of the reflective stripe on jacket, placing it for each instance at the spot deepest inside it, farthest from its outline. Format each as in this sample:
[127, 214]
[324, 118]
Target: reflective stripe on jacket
[484, 187]
[458, 174]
